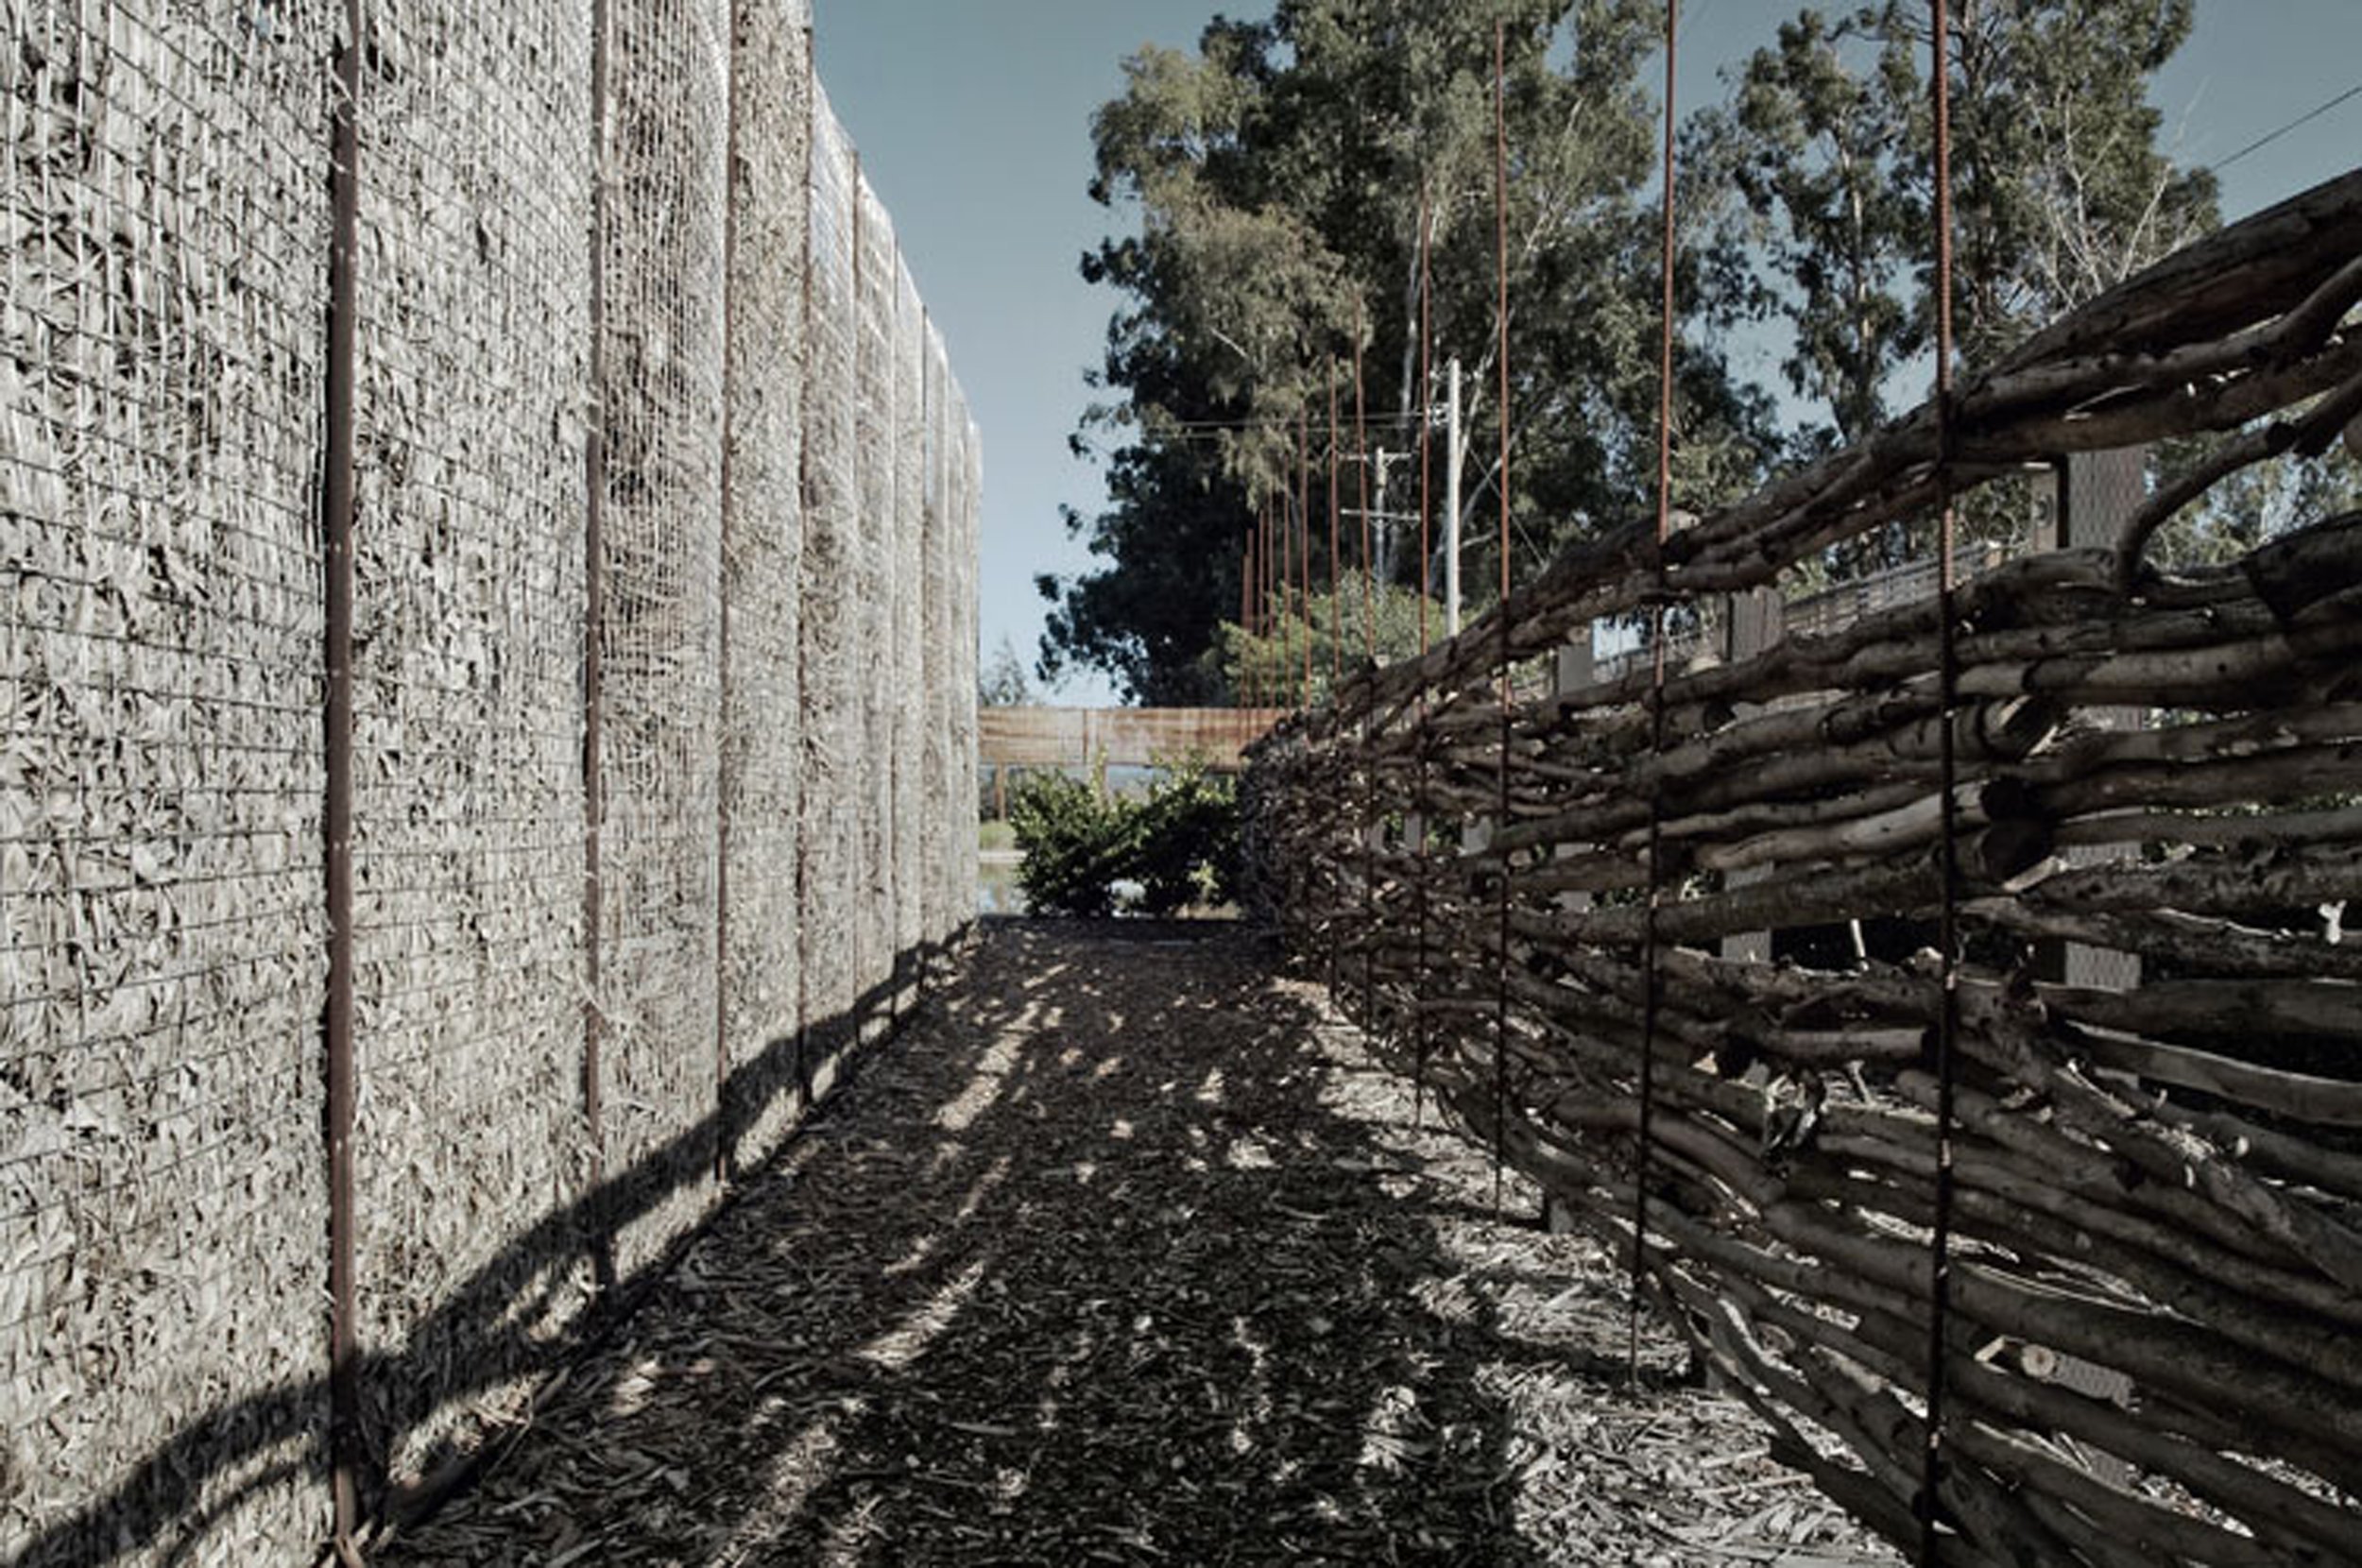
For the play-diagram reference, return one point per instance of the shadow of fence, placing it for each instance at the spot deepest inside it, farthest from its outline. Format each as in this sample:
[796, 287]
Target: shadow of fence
[1094, 1265]
[488, 1319]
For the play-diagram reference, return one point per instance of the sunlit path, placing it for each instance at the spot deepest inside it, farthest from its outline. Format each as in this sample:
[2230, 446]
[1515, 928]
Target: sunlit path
[1128, 1253]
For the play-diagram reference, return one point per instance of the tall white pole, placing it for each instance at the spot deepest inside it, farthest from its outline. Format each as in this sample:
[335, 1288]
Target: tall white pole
[1451, 498]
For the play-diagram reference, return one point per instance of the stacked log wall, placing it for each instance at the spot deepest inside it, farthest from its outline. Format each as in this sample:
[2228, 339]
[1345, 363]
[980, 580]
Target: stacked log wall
[2153, 1277]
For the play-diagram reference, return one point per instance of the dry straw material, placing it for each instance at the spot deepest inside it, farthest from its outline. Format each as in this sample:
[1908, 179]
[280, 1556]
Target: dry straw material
[160, 905]
[829, 624]
[476, 201]
[907, 737]
[603, 280]
[763, 721]
[873, 572]
[661, 394]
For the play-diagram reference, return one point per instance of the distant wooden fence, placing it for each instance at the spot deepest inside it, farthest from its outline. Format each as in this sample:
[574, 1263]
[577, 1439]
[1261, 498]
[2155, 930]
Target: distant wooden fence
[2095, 1229]
[1120, 737]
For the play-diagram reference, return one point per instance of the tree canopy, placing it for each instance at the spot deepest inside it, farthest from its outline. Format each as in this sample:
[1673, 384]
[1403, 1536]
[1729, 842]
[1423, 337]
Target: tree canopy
[1268, 192]
[1821, 163]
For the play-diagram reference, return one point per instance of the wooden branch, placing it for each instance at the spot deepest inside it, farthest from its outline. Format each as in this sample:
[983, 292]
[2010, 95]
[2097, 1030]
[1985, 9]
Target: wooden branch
[2164, 1181]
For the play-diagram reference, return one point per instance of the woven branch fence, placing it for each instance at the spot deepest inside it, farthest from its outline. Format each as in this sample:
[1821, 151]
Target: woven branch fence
[2151, 1299]
[487, 625]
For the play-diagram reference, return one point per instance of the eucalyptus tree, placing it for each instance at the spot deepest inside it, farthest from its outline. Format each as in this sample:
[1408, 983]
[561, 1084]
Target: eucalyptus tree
[1825, 155]
[1273, 183]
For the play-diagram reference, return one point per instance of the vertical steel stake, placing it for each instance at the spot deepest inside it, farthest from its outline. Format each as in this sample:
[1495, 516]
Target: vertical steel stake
[723, 772]
[346, 1451]
[1500, 610]
[1947, 937]
[593, 653]
[1427, 587]
[1652, 979]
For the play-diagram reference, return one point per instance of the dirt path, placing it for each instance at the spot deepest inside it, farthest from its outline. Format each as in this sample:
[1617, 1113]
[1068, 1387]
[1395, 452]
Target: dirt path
[1127, 1253]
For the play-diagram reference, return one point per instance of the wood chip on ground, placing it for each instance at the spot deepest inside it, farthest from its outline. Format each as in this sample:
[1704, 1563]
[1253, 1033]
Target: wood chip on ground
[1126, 1252]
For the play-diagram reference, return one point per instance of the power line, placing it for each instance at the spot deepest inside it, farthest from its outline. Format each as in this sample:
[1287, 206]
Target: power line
[1265, 422]
[2269, 137]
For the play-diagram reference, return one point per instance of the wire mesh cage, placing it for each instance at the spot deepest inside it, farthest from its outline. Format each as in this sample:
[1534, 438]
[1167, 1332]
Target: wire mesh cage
[162, 914]
[654, 532]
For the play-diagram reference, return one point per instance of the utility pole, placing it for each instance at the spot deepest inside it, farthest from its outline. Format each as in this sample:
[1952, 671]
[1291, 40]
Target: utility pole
[1451, 498]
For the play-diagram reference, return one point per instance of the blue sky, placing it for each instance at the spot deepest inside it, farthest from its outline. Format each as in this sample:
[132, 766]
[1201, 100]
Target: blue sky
[973, 116]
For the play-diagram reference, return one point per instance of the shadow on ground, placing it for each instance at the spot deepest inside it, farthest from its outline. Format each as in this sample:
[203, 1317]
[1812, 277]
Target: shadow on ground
[1115, 1258]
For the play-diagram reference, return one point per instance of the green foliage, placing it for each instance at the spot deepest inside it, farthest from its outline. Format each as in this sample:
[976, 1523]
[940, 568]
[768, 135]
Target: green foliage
[1826, 155]
[2253, 505]
[1266, 190]
[1177, 842]
[1270, 183]
[1074, 850]
[1269, 665]
[1184, 841]
[1000, 681]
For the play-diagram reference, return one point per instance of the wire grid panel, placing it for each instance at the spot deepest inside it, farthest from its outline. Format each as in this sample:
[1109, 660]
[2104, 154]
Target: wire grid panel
[470, 380]
[943, 653]
[163, 205]
[2103, 489]
[873, 557]
[761, 725]
[935, 640]
[905, 663]
[662, 400]
[832, 715]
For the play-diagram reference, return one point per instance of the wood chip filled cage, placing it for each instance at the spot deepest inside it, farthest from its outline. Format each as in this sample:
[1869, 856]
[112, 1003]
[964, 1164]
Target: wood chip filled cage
[601, 252]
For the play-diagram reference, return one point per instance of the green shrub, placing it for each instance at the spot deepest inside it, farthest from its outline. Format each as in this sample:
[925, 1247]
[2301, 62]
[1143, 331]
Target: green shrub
[1184, 841]
[1069, 840]
[1176, 844]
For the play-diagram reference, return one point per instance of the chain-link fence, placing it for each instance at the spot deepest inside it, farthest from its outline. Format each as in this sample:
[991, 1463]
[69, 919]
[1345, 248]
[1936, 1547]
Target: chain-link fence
[618, 797]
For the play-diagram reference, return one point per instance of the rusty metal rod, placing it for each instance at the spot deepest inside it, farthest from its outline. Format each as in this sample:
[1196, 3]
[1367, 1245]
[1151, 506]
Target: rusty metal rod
[1929, 1501]
[1250, 620]
[1263, 693]
[1304, 542]
[1500, 816]
[594, 638]
[347, 1451]
[1336, 608]
[806, 830]
[1362, 470]
[722, 771]
[1336, 589]
[1369, 654]
[1427, 381]
[1653, 983]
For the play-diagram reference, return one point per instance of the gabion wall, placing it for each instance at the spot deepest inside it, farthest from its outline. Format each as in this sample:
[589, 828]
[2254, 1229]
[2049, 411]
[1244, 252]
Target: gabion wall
[660, 658]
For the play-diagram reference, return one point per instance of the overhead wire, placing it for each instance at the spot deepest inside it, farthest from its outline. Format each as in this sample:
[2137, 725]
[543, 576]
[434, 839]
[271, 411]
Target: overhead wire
[2304, 119]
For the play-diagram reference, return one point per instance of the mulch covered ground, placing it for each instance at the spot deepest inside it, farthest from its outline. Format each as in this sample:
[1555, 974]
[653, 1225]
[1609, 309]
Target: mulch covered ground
[1126, 1252]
